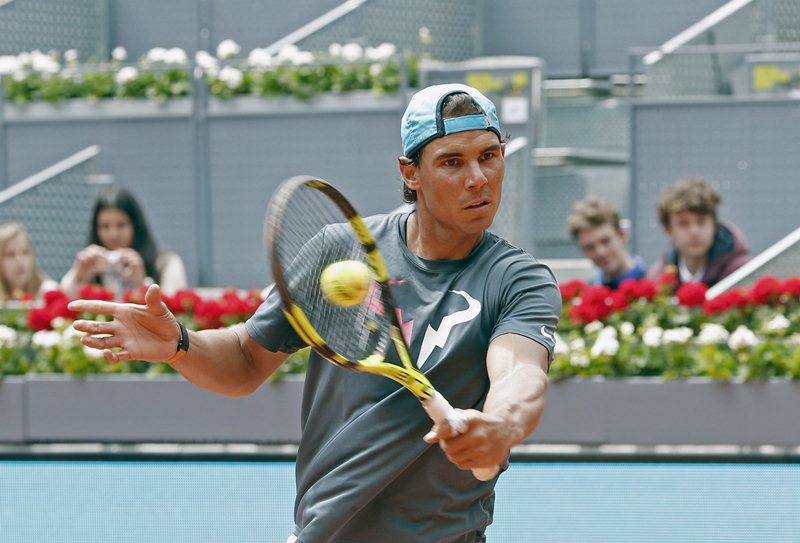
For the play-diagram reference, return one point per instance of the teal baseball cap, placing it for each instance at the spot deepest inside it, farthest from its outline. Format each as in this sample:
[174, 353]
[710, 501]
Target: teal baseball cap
[422, 121]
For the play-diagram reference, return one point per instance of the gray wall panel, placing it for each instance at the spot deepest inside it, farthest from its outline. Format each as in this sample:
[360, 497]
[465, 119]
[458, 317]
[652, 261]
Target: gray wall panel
[548, 29]
[144, 24]
[748, 150]
[139, 26]
[621, 24]
[152, 157]
[252, 154]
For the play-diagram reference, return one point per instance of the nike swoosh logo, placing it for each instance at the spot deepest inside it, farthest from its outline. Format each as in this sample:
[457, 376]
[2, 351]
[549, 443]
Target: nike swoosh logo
[545, 334]
[438, 338]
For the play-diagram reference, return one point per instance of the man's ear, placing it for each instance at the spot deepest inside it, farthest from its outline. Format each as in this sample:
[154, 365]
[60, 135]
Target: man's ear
[409, 172]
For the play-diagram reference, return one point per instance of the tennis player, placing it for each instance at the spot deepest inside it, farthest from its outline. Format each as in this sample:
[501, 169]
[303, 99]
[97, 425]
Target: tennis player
[480, 317]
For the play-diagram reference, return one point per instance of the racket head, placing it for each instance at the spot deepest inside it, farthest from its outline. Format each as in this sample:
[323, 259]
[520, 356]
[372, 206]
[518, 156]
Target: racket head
[309, 226]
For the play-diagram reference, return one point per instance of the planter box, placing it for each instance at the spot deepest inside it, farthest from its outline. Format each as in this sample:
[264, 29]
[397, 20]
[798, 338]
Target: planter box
[163, 409]
[134, 408]
[12, 409]
[110, 109]
[650, 411]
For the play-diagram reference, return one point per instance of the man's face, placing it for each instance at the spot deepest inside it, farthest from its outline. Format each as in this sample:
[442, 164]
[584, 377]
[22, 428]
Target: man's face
[604, 245]
[692, 233]
[459, 180]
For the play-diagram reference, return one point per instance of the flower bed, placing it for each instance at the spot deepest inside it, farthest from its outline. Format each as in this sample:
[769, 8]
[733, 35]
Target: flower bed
[162, 74]
[643, 329]
[39, 338]
[640, 330]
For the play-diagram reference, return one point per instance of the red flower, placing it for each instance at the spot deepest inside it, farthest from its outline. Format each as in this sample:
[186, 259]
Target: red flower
[571, 289]
[208, 314]
[766, 290]
[95, 292]
[39, 318]
[692, 294]
[55, 302]
[791, 286]
[184, 301]
[639, 288]
[618, 300]
[134, 296]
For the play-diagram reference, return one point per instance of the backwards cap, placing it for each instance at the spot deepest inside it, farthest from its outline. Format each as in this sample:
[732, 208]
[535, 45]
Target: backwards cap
[422, 121]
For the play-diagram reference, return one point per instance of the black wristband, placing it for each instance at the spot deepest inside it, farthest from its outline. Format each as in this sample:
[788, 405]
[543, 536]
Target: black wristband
[183, 344]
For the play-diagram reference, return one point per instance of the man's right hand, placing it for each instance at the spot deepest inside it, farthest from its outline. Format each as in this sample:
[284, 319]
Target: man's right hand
[136, 332]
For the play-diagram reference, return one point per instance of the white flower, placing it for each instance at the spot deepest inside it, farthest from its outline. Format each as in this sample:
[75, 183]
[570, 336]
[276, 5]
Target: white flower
[303, 57]
[577, 344]
[119, 53]
[741, 338]
[606, 344]
[156, 55]
[352, 52]
[778, 323]
[652, 336]
[627, 329]
[9, 64]
[287, 53]
[8, 336]
[335, 49]
[207, 62]
[579, 359]
[592, 327]
[24, 59]
[712, 333]
[69, 334]
[59, 323]
[126, 74]
[176, 56]
[561, 346]
[92, 353]
[384, 51]
[375, 69]
[46, 338]
[71, 56]
[232, 77]
[260, 58]
[228, 49]
[677, 335]
[424, 35]
[45, 64]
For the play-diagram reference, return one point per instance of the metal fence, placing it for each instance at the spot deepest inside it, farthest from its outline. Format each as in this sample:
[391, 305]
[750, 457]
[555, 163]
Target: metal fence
[54, 206]
[59, 25]
[721, 53]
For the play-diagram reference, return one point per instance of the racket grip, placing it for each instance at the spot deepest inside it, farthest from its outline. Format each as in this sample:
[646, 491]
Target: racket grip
[439, 409]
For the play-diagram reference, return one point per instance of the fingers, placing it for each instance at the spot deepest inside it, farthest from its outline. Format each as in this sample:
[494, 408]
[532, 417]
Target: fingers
[100, 307]
[152, 298]
[95, 327]
[102, 343]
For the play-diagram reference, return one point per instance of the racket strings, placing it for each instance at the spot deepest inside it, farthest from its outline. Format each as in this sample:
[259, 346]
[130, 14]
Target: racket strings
[311, 233]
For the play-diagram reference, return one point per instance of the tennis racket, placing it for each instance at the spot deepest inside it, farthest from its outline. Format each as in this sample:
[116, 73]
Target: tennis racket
[309, 226]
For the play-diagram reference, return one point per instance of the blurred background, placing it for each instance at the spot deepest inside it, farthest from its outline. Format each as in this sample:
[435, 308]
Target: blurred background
[202, 107]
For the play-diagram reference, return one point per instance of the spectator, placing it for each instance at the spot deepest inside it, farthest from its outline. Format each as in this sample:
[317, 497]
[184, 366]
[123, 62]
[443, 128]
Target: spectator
[121, 253]
[702, 248]
[20, 275]
[595, 226]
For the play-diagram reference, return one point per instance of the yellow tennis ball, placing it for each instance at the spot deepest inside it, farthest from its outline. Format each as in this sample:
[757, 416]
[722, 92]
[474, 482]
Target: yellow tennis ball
[345, 283]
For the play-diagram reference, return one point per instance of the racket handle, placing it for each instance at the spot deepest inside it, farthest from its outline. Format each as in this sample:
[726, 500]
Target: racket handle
[439, 409]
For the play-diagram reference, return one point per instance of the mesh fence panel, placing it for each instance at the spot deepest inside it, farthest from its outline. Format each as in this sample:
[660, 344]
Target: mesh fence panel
[454, 27]
[59, 25]
[509, 219]
[704, 66]
[56, 214]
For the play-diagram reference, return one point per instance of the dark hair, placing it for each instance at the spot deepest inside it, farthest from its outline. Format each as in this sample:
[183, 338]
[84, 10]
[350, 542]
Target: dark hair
[143, 242]
[455, 105]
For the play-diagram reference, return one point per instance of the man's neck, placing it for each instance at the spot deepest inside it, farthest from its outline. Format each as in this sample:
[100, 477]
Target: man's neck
[694, 264]
[432, 244]
[628, 263]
